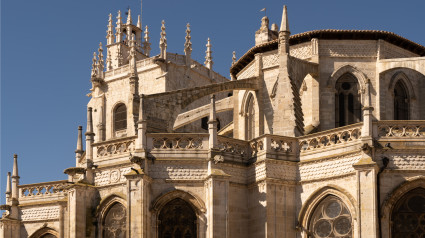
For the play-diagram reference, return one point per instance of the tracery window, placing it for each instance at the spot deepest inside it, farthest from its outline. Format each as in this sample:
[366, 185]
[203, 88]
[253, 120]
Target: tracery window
[401, 103]
[250, 118]
[347, 101]
[120, 117]
[177, 220]
[408, 216]
[331, 218]
[114, 223]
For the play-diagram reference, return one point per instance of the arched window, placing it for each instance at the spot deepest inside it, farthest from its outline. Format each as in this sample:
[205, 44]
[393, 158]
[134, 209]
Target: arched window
[331, 218]
[120, 117]
[250, 117]
[408, 215]
[114, 223]
[177, 219]
[401, 102]
[347, 101]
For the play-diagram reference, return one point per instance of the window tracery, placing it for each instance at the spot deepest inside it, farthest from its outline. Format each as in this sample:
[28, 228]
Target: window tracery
[114, 223]
[120, 117]
[401, 102]
[177, 219]
[331, 218]
[408, 216]
[347, 101]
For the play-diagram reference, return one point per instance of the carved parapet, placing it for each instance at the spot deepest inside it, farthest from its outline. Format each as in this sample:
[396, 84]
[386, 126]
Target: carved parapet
[174, 141]
[399, 129]
[279, 146]
[43, 189]
[341, 136]
[115, 147]
[234, 148]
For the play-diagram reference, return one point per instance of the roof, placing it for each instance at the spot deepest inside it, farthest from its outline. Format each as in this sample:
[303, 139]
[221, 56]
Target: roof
[330, 35]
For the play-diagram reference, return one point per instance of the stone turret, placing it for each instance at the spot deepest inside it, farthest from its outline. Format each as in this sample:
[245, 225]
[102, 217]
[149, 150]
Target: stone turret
[264, 34]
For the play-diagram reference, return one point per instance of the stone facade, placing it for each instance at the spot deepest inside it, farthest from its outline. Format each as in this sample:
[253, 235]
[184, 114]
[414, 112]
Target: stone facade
[323, 135]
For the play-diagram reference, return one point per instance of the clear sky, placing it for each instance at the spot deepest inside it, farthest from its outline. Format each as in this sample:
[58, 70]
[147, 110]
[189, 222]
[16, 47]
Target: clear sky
[47, 47]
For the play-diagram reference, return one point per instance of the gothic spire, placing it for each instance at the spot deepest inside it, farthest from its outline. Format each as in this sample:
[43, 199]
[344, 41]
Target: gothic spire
[100, 63]
[284, 25]
[188, 43]
[129, 20]
[132, 56]
[118, 29]
[94, 66]
[146, 44]
[139, 22]
[163, 41]
[110, 32]
[15, 177]
[208, 57]
[8, 187]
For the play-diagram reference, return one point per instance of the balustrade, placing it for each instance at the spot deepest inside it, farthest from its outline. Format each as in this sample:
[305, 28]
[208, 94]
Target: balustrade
[115, 147]
[234, 146]
[43, 189]
[400, 129]
[173, 141]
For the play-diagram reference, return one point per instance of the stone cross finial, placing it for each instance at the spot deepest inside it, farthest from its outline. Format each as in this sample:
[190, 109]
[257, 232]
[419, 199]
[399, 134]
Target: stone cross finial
[234, 58]
[94, 66]
[100, 63]
[110, 32]
[163, 42]
[188, 43]
[129, 20]
[208, 57]
[146, 44]
[118, 29]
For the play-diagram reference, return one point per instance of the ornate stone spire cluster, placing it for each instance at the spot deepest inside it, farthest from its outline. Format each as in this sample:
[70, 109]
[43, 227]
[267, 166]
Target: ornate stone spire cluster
[118, 29]
[110, 32]
[208, 57]
[100, 62]
[94, 66]
[163, 42]
[188, 43]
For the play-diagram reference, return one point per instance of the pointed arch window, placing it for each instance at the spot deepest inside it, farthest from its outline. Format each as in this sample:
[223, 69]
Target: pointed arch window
[250, 118]
[347, 101]
[120, 117]
[114, 223]
[401, 102]
[331, 218]
[408, 215]
[177, 219]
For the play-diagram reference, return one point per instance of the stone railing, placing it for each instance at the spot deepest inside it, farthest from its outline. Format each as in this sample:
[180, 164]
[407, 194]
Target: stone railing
[177, 141]
[43, 189]
[274, 144]
[399, 129]
[234, 146]
[115, 147]
[117, 71]
[145, 62]
[331, 138]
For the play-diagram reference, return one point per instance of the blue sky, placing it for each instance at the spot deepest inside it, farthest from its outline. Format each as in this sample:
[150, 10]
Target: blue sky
[47, 47]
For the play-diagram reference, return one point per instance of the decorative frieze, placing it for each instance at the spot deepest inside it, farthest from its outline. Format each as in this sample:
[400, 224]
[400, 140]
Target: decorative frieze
[40, 213]
[111, 176]
[347, 49]
[301, 51]
[176, 170]
[248, 71]
[270, 60]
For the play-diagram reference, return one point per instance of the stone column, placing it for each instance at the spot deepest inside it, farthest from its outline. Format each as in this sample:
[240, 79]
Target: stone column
[81, 200]
[217, 187]
[138, 199]
[366, 172]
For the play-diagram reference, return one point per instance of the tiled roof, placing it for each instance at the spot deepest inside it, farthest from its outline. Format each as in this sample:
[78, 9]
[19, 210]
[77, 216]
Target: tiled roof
[330, 34]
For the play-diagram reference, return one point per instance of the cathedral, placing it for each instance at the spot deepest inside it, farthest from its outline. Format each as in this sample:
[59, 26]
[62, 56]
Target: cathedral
[317, 134]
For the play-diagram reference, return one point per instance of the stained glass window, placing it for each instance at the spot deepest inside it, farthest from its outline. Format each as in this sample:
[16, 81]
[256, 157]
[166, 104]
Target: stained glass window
[331, 218]
[120, 117]
[177, 220]
[347, 101]
[408, 217]
[114, 224]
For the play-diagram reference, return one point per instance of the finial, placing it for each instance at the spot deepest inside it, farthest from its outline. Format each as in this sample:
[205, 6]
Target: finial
[119, 18]
[100, 63]
[208, 58]
[94, 66]
[89, 131]
[119, 28]
[129, 20]
[284, 26]
[274, 27]
[146, 44]
[15, 166]
[139, 22]
[108, 60]
[79, 149]
[188, 43]
[110, 32]
[8, 186]
[163, 41]
[234, 58]
[132, 57]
